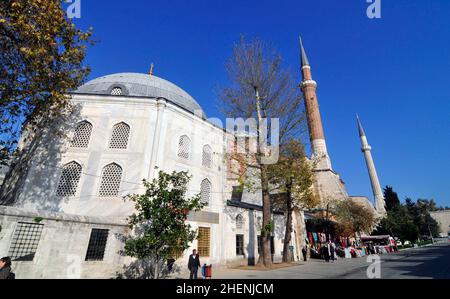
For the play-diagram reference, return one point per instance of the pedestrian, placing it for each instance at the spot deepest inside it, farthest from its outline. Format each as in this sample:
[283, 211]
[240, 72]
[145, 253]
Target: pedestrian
[326, 253]
[305, 252]
[5, 268]
[193, 264]
[332, 251]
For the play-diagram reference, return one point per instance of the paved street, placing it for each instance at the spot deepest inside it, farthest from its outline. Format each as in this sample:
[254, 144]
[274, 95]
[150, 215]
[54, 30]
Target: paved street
[424, 262]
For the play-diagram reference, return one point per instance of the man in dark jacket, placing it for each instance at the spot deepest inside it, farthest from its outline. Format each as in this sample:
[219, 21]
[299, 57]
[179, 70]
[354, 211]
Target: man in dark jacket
[193, 264]
[305, 252]
[5, 268]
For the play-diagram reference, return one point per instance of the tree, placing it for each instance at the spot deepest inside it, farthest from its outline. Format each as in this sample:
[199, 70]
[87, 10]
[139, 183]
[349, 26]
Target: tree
[42, 55]
[399, 223]
[261, 89]
[293, 177]
[354, 216]
[391, 198]
[159, 223]
[421, 217]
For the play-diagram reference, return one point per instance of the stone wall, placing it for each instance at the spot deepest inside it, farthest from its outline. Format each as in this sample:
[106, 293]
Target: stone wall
[63, 244]
[443, 218]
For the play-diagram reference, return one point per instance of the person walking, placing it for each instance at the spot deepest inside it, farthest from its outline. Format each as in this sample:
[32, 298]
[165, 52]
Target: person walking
[193, 264]
[305, 252]
[5, 268]
[326, 252]
[332, 247]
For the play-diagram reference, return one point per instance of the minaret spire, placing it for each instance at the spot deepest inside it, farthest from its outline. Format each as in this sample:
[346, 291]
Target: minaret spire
[360, 128]
[376, 187]
[304, 58]
[317, 137]
[327, 183]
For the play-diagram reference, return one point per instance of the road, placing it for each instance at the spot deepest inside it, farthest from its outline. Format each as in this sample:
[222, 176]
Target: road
[419, 263]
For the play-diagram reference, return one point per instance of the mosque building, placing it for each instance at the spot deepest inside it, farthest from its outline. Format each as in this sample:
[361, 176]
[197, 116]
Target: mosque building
[67, 219]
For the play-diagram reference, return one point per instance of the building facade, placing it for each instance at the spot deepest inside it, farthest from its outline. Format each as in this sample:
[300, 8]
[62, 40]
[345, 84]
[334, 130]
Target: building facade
[70, 214]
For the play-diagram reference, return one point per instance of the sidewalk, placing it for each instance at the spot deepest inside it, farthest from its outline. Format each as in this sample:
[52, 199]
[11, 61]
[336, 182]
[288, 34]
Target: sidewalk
[311, 269]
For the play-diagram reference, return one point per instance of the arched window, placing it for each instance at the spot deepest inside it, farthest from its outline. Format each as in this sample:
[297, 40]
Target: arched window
[82, 135]
[110, 181]
[69, 180]
[116, 91]
[119, 137]
[239, 221]
[207, 156]
[184, 147]
[205, 191]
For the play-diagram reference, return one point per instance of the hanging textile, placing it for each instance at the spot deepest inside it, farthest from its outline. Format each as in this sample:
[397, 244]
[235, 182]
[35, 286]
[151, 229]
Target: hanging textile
[315, 237]
[310, 236]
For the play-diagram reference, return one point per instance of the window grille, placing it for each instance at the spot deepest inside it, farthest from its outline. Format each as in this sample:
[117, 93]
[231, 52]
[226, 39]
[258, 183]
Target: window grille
[116, 91]
[119, 137]
[207, 156]
[25, 241]
[239, 221]
[184, 147]
[176, 252]
[97, 244]
[110, 181]
[204, 238]
[82, 135]
[69, 180]
[239, 244]
[205, 191]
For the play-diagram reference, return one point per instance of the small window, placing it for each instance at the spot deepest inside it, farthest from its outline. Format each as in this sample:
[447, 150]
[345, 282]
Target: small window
[69, 180]
[239, 244]
[204, 238]
[205, 191]
[82, 135]
[184, 147]
[110, 182]
[239, 221]
[116, 91]
[25, 241]
[176, 252]
[97, 244]
[119, 137]
[207, 156]
[236, 194]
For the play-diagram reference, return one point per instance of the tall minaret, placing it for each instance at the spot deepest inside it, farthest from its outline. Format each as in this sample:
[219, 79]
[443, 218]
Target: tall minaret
[377, 192]
[317, 138]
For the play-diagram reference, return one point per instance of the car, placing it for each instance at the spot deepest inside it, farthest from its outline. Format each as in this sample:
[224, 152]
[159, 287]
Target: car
[398, 243]
[407, 243]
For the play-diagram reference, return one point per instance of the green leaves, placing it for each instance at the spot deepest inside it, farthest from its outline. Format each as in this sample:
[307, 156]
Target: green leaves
[159, 223]
[42, 55]
[293, 174]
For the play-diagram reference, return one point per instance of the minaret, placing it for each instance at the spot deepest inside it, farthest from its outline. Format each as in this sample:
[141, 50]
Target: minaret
[377, 192]
[317, 138]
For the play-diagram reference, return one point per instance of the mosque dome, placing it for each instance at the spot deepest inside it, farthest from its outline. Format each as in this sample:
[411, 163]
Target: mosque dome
[140, 85]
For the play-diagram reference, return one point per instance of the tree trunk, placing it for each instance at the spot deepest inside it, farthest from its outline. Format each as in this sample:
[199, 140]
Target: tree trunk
[267, 217]
[156, 269]
[288, 232]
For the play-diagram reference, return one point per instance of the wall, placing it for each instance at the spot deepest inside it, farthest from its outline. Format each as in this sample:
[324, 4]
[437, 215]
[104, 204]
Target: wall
[443, 218]
[63, 244]
[156, 126]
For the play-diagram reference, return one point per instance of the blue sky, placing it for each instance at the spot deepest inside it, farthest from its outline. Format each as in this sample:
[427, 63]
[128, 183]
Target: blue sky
[393, 71]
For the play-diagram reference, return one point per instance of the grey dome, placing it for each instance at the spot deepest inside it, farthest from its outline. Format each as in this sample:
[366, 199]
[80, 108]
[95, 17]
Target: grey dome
[141, 85]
